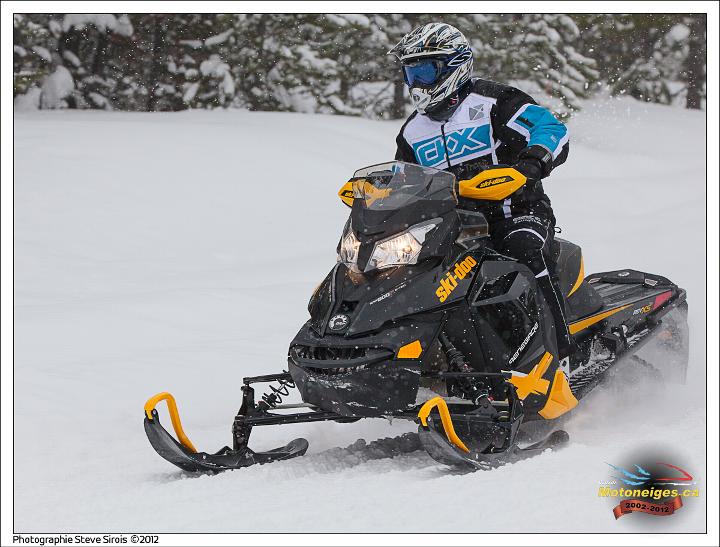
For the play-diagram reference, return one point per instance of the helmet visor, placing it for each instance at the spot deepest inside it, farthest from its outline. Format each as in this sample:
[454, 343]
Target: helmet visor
[423, 73]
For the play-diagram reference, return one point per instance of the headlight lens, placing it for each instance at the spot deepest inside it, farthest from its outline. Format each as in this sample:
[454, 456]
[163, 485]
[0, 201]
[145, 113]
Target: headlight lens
[401, 249]
[349, 248]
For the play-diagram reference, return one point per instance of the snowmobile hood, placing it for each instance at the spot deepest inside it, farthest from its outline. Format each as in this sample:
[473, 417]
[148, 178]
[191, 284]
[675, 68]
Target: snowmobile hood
[351, 304]
[370, 336]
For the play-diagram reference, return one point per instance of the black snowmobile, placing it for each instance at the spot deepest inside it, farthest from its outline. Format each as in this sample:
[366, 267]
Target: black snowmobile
[421, 319]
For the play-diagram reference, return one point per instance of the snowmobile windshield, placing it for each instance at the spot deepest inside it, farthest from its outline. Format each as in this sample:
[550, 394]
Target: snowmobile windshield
[391, 186]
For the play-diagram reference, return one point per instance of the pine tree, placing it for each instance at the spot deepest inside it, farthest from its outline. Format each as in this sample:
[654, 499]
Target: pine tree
[88, 46]
[539, 52]
[33, 54]
[651, 57]
[338, 63]
[693, 71]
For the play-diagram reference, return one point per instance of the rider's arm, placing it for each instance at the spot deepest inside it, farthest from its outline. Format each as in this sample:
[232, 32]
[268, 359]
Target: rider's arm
[404, 150]
[544, 136]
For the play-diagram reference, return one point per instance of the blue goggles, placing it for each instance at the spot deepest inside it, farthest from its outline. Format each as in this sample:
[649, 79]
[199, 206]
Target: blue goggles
[424, 72]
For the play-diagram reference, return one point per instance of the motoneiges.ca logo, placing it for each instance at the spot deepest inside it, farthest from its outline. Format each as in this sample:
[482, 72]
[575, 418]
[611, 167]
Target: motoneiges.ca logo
[653, 488]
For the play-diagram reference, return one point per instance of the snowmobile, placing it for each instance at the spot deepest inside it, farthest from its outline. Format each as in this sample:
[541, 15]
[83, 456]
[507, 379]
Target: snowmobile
[421, 319]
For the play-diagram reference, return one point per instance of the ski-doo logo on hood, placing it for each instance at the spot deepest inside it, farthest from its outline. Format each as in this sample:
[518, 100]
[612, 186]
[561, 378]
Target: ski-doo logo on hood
[451, 279]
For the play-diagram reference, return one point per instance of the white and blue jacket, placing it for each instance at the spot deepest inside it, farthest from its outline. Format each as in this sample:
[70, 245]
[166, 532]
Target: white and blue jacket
[493, 124]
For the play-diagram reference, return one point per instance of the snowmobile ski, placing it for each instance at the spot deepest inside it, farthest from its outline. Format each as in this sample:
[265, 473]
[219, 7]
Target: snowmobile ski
[184, 455]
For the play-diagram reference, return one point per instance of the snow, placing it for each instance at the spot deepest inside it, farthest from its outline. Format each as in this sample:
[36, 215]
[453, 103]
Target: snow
[348, 18]
[309, 59]
[30, 100]
[228, 84]
[214, 66]
[99, 100]
[219, 38]
[177, 252]
[194, 44]
[190, 92]
[56, 87]
[101, 21]
[55, 27]
[43, 53]
[71, 58]
[678, 33]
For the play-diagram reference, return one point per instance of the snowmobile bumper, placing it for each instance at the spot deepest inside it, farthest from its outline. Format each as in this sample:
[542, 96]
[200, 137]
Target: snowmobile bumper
[183, 454]
[385, 388]
[363, 376]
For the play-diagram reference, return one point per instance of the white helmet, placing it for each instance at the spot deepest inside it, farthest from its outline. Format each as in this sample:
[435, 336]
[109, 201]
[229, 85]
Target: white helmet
[437, 61]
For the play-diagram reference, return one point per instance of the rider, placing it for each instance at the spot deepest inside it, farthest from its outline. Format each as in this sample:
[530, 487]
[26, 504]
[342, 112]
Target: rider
[463, 125]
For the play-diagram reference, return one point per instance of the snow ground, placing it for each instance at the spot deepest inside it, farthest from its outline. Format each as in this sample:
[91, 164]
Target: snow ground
[177, 252]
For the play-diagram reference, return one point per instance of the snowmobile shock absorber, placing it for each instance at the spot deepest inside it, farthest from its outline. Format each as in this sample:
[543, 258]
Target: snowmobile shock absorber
[457, 362]
[248, 409]
[275, 397]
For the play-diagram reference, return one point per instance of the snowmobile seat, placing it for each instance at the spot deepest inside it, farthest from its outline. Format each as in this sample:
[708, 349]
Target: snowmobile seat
[581, 299]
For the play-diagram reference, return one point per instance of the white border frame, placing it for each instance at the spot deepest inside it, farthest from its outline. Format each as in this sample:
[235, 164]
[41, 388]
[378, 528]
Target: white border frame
[713, 176]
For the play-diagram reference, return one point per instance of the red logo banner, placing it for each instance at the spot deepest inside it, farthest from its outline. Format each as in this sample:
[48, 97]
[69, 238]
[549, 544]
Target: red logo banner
[657, 509]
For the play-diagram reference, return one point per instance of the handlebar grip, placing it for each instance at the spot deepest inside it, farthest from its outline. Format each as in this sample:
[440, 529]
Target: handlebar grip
[492, 184]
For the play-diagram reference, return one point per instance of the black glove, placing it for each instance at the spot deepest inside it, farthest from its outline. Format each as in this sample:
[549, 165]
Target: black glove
[535, 162]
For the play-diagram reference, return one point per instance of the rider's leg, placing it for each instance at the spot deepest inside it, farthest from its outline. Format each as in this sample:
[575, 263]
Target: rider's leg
[528, 238]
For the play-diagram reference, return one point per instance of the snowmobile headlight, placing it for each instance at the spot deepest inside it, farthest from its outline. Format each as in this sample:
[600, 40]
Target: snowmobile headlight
[401, 249]
[349, 248]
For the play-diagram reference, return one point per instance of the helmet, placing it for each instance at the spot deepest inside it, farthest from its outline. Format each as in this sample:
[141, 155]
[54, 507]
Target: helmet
[436, 60]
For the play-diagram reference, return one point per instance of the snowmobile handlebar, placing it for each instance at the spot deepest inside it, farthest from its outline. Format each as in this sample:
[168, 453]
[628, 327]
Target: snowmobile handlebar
[492, 184]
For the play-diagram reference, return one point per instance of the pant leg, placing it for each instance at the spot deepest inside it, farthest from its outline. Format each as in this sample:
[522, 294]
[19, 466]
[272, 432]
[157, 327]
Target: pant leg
[529, 238]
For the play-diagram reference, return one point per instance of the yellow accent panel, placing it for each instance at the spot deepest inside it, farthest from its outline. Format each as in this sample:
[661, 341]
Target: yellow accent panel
[410, 351]
[445, 418]
[561, 398]
[585, 323]
[580, 277]
[346, 194]
[492, 184]
[174, 416]
[533, 382]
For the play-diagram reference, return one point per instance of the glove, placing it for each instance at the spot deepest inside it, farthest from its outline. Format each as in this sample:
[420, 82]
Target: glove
[535, 162]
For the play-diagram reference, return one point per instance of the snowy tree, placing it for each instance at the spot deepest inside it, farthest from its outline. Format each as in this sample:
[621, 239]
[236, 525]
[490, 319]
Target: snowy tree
[87, 47]
[290, 62]
[386, 31]
[651, 57]
[694, 67]
[371, 80]
[539, 52]
[338, 63]
[33, 50]
[164, 42]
